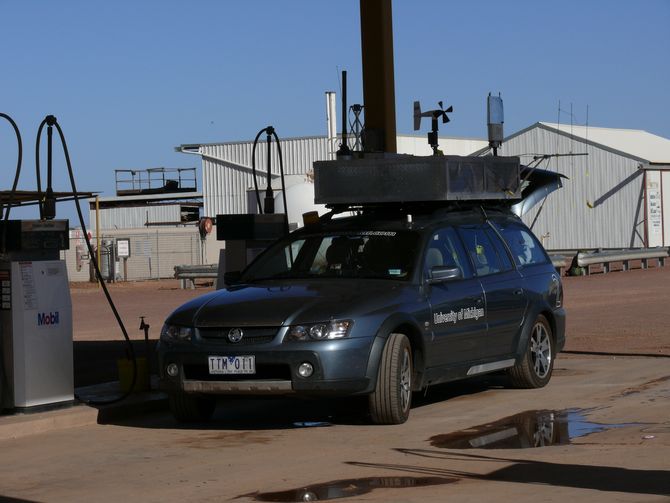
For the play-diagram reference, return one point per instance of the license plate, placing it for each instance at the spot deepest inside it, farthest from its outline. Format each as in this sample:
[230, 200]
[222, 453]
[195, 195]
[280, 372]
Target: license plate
[232, 364]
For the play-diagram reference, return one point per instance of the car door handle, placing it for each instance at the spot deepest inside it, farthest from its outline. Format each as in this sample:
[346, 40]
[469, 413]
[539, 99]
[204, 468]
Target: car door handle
[518, 291]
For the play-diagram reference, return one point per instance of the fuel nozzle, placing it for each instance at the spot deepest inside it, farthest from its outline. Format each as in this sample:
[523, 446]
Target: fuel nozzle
[49, 205]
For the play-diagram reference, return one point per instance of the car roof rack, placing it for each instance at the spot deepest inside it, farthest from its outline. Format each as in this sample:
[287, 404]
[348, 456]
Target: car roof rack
[412, 179]
[424, 184]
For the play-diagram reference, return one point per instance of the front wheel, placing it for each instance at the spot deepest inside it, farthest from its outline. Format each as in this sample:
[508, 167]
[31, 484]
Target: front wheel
[391, 400]
[537, 364]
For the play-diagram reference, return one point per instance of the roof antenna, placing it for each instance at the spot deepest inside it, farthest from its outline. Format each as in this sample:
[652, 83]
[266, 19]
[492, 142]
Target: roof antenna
[495, 119]
[344, 152]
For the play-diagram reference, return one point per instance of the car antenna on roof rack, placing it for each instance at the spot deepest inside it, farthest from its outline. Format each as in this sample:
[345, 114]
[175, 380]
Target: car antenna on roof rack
[484, 214]
[495, 119]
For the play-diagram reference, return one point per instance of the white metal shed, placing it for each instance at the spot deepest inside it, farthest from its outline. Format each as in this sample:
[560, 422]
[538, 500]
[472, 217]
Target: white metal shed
[613, 197]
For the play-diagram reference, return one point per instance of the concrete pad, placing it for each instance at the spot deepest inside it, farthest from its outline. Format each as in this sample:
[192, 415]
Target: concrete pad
[25, 424]
[254, 447]
[82, 413]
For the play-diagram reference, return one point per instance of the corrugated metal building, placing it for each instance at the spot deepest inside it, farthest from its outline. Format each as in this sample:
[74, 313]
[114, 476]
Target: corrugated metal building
[142, 211]
[162, 230]
[226, 167]
[613, 197]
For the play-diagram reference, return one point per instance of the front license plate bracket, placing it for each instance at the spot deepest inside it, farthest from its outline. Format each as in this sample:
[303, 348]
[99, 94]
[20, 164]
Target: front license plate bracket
[232, 365]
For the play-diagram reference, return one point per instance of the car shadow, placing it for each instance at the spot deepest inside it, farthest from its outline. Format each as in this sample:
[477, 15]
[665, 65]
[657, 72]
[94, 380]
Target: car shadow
[459, 389]
[262, 413]
[280, 413]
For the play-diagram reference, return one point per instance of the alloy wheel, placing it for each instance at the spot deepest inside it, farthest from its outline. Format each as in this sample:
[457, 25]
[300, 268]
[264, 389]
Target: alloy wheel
[540, 350]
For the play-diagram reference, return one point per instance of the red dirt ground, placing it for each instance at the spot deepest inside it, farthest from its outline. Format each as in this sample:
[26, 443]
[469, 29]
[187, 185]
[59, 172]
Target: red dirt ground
[618, 312]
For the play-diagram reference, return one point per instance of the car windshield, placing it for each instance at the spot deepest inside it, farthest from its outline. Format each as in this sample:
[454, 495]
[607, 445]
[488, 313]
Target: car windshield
[357, 254]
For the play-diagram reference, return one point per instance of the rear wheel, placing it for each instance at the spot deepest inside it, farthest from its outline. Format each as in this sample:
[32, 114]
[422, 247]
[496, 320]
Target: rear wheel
[191, 408]
[391, 400]
[534, 370]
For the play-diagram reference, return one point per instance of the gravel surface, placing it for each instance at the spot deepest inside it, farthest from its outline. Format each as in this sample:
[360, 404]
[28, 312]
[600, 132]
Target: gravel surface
[619, 312]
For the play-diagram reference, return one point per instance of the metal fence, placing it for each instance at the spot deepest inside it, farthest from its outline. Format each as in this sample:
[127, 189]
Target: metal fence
[153, 254]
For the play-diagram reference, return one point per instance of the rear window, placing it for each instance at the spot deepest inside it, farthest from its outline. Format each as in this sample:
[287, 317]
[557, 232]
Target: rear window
[482, 250]
[525, 248]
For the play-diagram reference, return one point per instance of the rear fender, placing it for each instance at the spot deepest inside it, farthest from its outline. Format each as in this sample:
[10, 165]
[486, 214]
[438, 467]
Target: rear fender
[528, 326]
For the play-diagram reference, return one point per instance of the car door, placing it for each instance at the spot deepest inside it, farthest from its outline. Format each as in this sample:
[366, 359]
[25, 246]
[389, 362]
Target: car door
[505, 297]
[456, 306]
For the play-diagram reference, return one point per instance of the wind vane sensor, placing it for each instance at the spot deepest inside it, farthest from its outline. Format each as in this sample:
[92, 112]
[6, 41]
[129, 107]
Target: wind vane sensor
[434, 115]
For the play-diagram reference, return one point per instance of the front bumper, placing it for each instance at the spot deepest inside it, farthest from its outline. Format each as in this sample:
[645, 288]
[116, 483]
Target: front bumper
[339, 368]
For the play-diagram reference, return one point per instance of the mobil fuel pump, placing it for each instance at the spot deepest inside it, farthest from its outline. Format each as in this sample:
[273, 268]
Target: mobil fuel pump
[36, 357]
[35, 314]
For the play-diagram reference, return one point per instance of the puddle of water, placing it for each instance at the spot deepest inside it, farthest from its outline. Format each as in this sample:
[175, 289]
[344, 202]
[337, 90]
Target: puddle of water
[311, 424]
[535, 428]
[348, 488]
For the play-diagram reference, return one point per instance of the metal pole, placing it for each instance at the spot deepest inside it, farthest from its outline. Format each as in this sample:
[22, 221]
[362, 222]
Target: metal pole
[378, 79]
[269, 195]
[331, 124]
[97, 231]
[158, 258]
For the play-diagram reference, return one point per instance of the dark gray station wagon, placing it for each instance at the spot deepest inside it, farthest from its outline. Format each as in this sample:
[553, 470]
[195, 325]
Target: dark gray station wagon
[382, 303]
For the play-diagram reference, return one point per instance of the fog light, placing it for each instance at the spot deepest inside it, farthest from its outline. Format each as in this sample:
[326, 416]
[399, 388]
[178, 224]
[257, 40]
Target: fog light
[172, 370]
[305, 369]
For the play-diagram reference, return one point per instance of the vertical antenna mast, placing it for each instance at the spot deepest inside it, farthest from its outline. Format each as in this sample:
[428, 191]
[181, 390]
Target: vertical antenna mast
[344, 147]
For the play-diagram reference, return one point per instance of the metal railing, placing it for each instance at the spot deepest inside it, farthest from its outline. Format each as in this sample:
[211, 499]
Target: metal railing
[586, 260]
[561, 262]
[187, 274]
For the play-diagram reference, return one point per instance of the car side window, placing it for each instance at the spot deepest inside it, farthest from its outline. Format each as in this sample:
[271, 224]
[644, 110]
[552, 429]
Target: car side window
[525, 248]
[445, 249]
[481, 250]
[503, 255]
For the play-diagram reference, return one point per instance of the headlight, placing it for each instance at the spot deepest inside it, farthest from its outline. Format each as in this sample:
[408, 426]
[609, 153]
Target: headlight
[176, 333]
[328, 330]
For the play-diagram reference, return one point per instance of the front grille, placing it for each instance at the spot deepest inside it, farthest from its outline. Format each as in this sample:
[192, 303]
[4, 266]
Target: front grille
[200, 372]
[252, 335]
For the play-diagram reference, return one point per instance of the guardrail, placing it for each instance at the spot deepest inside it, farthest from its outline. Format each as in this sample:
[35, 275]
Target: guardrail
[189, 273]
[586, 260]
[561, 263]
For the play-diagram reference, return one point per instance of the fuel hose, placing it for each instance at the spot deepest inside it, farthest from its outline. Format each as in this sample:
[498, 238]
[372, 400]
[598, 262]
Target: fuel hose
[130, 352]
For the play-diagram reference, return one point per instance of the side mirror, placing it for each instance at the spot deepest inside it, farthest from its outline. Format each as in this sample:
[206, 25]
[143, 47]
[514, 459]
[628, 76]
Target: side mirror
[232, 277]
[443, 273]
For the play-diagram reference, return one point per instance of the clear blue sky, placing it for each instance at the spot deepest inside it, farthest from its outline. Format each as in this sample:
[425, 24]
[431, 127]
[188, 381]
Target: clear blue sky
[130, 80]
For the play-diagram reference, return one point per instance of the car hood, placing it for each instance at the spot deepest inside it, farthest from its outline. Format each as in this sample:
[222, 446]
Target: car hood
[275, 304]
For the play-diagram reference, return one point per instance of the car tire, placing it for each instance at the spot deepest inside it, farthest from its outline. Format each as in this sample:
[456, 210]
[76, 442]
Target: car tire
[191, 408]
[391, 400]
[535, 368]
